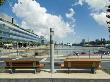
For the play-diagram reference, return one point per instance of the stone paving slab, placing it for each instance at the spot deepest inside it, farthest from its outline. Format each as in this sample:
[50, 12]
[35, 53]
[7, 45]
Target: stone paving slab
[44, 74]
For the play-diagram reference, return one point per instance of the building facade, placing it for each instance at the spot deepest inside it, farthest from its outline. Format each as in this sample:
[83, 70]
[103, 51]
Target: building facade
[9, 31]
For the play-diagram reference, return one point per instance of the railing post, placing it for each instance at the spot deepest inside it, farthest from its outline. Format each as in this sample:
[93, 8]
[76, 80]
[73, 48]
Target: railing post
[52, 50]
[101, 56]
[89, 54]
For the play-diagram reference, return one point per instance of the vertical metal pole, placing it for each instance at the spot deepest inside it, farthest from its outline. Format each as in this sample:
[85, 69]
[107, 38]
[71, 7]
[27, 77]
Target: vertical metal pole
[89, 54]
[52, 50]
[101, 56]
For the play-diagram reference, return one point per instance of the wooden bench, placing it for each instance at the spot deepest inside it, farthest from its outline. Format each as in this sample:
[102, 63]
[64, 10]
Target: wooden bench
[79, 63]
[23, 64]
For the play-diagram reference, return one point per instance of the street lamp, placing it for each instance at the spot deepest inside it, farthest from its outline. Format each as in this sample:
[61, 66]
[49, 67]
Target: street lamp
[51, 50]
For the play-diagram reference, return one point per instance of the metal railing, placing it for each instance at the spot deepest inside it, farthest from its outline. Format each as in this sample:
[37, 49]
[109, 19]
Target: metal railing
[57, 52]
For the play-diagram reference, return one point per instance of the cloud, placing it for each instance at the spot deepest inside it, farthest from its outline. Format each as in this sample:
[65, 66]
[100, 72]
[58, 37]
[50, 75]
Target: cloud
[97, 5]
[98, 9]
[70, 14]
[94, 4]
[79, 2]
[100, 18]
[36, 18]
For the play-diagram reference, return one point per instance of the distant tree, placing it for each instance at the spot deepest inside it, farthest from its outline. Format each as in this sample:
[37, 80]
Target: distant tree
[92, 43]
[62, 43]
[103, 41]
[2, 2]
[98, 42]
[82, 42]
[108, 16]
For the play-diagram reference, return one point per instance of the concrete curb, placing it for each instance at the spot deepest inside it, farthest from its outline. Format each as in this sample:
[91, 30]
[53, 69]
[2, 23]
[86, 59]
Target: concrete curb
[53, 80]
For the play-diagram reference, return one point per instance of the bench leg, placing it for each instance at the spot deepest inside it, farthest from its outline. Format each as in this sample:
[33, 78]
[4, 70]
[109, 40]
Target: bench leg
[38, 69]
[12, 71]
[68, 71]
[35, 71]
[93, 70]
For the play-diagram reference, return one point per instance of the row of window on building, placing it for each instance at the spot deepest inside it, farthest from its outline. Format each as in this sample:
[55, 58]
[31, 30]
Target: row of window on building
[9, 30]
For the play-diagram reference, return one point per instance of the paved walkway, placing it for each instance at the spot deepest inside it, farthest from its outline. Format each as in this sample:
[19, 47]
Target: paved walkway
[99, 75]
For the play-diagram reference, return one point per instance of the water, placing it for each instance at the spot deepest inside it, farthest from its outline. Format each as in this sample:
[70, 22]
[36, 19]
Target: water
[68, 50]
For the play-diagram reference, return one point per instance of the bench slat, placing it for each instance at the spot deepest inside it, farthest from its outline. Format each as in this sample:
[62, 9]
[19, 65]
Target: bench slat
[23, 64]
[81, 63]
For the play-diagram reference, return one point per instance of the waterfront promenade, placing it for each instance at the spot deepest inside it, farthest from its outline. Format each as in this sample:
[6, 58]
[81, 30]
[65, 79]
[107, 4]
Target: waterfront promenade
[60, 75]
[81, 74]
